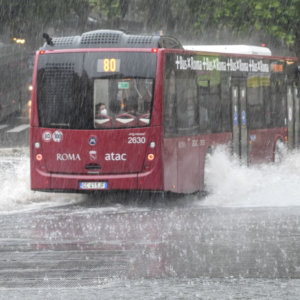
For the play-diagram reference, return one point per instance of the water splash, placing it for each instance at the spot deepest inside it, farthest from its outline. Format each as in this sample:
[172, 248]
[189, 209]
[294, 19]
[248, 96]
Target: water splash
[15, 181]
[229, 184]
[267, 185]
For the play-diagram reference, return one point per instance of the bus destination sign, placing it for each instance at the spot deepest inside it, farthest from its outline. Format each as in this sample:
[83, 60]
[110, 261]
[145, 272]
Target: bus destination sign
[108, 65]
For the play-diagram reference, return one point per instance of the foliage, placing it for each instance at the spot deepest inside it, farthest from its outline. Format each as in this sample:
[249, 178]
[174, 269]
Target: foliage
[169, 16]
[113, 8]
[280, 19]
[277, 19]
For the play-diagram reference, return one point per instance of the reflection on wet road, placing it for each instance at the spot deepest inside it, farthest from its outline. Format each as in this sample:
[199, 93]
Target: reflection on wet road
[236, 243]
[79, 245]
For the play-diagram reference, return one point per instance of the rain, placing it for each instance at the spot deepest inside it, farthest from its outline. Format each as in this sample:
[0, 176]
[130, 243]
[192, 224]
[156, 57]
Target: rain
[238, 238]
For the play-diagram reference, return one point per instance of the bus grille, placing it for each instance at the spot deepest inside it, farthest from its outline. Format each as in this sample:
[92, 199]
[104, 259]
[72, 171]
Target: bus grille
[58, 83]
[100, 38]
[64, 41]
[139, 40]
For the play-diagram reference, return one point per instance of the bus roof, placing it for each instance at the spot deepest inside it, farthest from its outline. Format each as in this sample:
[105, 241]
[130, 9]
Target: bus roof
[233, 49]
[110, 39]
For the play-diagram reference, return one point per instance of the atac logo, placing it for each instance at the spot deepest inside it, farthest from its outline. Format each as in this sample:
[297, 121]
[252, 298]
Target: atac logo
[67, 156]
[115, 156]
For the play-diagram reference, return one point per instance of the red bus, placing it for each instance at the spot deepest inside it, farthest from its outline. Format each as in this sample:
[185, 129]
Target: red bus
[112, 111]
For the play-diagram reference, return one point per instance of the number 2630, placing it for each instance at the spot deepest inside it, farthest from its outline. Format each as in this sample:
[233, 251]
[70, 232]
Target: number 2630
[136, 140]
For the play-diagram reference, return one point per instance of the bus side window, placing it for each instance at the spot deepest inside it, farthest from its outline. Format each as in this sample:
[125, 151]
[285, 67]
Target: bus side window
[181, 100]
[268, 105]
[203, 108]
[226, 106]
[278, 97]
[256, 112]
[215, 109]
[170, 108]
[192, 104]
[210, 103]
[186, 91]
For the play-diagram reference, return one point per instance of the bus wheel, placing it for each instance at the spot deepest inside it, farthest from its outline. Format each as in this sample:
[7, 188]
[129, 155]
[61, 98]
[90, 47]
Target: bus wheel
[280, 151]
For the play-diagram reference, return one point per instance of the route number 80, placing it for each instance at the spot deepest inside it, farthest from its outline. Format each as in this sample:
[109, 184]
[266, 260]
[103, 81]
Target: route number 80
[110, 65]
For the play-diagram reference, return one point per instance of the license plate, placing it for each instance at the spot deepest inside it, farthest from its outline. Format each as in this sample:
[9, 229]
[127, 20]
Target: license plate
[93, 185]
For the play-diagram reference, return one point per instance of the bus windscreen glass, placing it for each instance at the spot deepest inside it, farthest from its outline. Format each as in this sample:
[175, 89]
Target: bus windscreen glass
[95, 90]
[121, 102]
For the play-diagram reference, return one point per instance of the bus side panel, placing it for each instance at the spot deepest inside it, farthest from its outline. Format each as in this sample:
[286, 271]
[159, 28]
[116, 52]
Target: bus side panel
[170, 164]
[188, 162]
[206, 144]
[262, 144]
[184, 160]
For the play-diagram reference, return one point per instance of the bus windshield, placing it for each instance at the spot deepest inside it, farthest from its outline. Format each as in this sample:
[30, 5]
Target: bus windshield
[95, 90]
[122, 102]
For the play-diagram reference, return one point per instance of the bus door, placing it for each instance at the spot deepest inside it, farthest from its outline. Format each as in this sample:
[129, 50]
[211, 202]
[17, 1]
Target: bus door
[239, 119]
[293, 120]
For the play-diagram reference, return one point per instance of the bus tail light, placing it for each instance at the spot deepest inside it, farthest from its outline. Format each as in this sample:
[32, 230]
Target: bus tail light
[150, 156]
[39, 157]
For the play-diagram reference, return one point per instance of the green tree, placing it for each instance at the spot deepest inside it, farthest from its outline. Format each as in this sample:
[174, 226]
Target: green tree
[278, 19]
[113, 8]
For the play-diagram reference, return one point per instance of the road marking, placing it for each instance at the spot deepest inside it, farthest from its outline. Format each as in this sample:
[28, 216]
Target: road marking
[18, 128]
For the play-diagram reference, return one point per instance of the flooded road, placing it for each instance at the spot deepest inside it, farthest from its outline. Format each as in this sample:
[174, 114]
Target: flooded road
[79, 243]
[239, 242]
